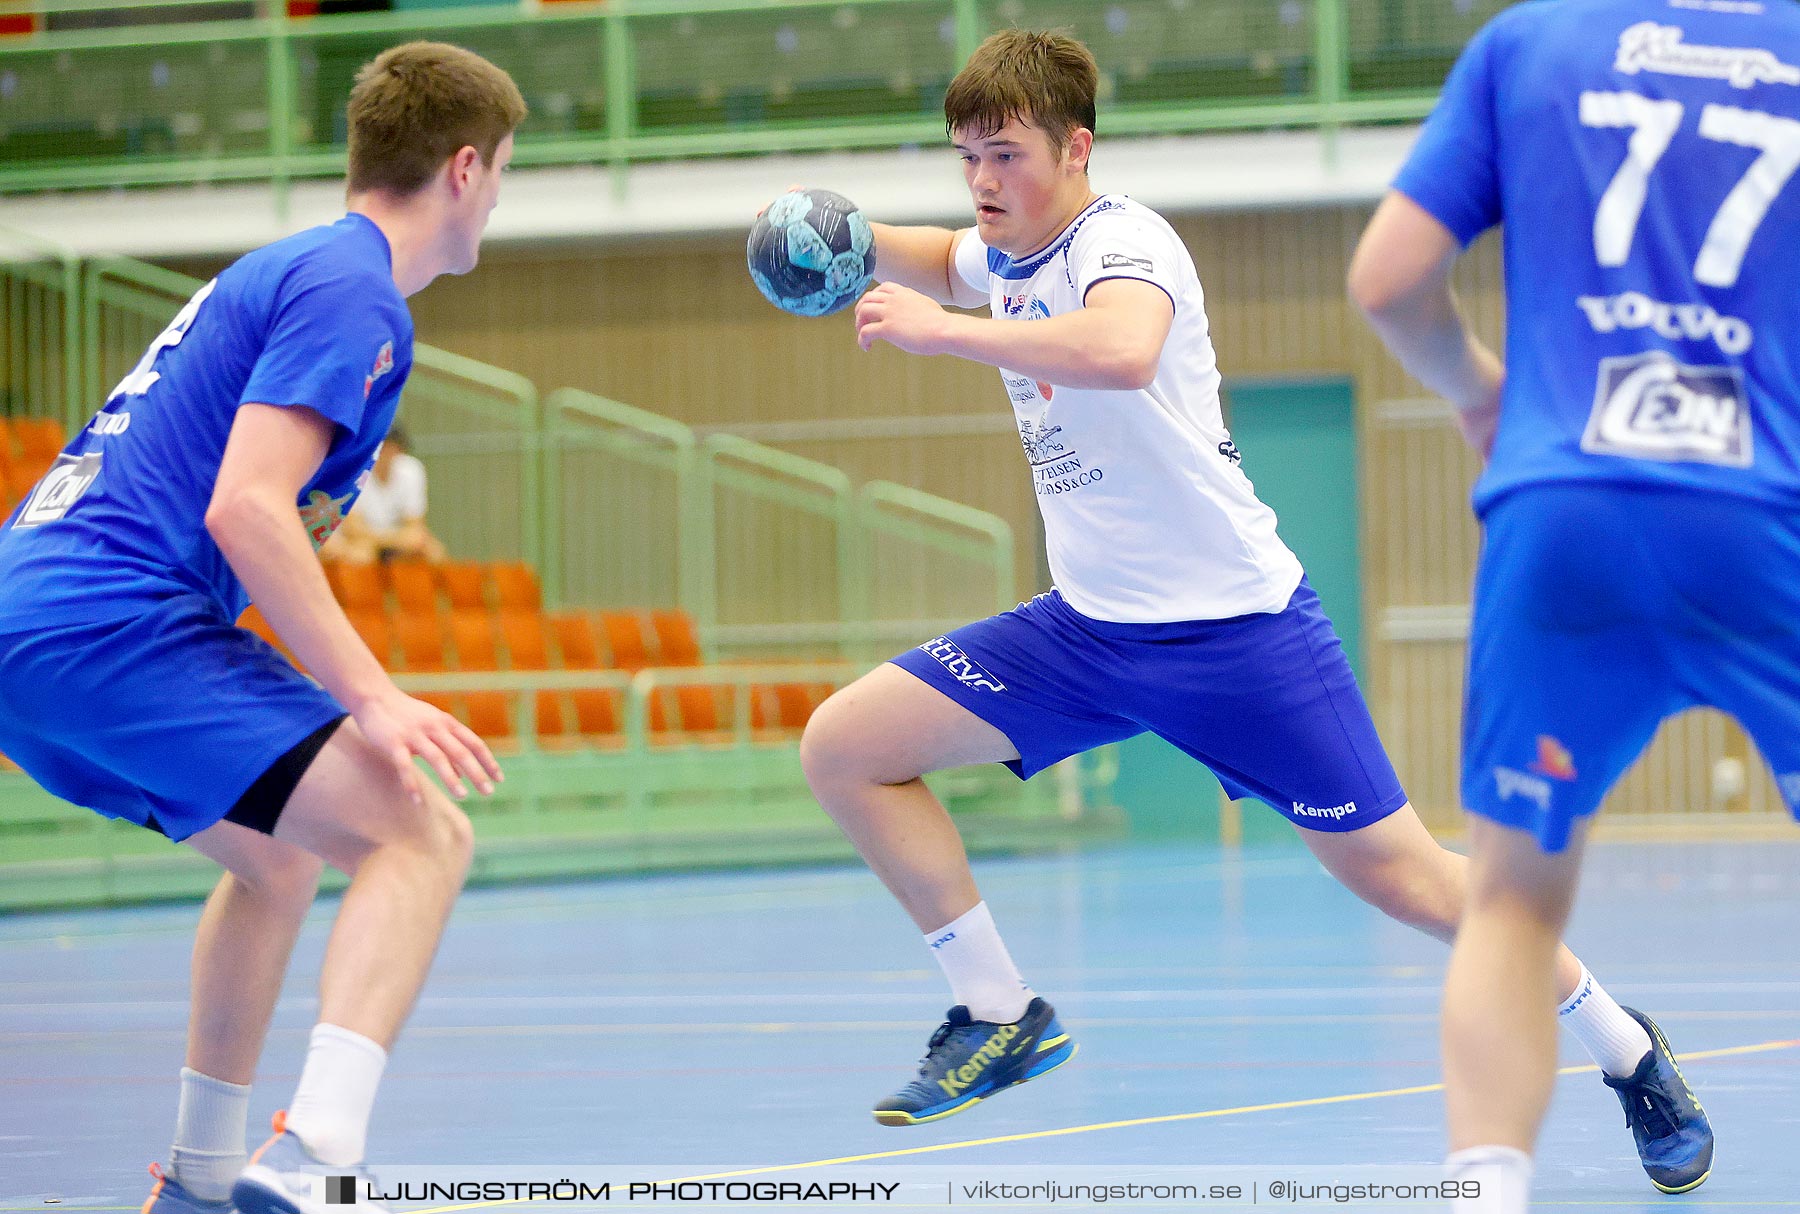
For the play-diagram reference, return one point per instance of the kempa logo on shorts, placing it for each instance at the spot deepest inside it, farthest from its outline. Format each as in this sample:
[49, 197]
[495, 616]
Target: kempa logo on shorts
[967, 670]
[1648, 406]
[1510, 782]
[992, 1050]
[1336, 812]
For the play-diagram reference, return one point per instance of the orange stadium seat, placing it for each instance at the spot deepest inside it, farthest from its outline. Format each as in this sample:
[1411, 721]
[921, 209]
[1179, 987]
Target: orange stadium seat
[676, 638]
[413, 586]
[372, 627]
[599, 713]
[424, 649]
[358, 587]
[464, 583]
[527, 648]
[40, 439]
[515, 586]
[627, 640]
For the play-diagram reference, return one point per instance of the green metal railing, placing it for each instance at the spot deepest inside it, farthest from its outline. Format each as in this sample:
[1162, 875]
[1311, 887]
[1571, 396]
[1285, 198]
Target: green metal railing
[261, 98]
[40, 301]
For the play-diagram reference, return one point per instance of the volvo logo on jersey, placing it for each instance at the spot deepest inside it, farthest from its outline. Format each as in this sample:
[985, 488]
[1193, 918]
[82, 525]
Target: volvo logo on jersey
[1648, 406]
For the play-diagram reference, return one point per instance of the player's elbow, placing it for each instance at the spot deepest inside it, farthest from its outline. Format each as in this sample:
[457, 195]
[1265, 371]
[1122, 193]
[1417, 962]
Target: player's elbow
[1373, 291]
[232, 516]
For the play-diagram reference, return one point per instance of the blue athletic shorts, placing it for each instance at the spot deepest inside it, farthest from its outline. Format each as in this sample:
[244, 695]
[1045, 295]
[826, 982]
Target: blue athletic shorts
[1267, 701]
[164, 718]
[1602, 609]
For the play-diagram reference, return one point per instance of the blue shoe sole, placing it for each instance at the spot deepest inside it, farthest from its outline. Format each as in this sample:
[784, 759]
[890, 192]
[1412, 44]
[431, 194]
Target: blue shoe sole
[1047, 1060]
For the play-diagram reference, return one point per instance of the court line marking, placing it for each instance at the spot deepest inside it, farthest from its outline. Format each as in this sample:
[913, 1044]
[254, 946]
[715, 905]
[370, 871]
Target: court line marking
[1163, 1119]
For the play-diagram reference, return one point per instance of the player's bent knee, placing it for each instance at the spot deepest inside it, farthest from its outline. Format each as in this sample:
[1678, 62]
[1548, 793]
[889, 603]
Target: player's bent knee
[828, 750]
[1418, 899]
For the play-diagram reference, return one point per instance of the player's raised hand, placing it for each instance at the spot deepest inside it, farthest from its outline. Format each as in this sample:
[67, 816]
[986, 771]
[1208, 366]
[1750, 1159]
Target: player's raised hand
[901, 317]
[402, 727]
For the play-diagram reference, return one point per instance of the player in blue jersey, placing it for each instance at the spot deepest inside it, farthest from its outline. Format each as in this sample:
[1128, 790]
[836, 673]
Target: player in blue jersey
[1642, 496]
[214, 471]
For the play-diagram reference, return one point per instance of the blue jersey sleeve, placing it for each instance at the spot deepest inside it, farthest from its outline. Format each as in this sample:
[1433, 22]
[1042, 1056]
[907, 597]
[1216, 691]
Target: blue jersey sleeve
[330, 338]
[1452, 172]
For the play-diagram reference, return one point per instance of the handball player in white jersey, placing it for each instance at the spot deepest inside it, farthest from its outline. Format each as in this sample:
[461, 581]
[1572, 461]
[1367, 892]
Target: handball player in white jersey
[1177, 609]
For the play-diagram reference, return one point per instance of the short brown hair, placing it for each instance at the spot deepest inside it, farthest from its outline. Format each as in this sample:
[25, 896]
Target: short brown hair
[416, 105]
[1044, 77]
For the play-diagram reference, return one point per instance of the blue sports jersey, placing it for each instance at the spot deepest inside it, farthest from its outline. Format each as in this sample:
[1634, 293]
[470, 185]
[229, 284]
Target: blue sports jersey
[1641, 155]
[313, 320]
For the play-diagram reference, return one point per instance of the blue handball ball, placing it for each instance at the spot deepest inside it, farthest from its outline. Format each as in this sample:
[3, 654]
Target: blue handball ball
[811, 253]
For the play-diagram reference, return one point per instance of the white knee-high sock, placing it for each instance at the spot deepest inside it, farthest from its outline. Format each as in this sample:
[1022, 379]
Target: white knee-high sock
[981, 972]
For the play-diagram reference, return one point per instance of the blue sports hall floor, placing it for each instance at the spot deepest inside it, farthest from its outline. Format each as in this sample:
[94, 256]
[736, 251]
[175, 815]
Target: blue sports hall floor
[1232, 1009]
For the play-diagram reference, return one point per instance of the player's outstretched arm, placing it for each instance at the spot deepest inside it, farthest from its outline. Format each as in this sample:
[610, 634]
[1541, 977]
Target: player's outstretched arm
[924, 260]
[1400, 278]
[272, 453]
[1113, 342]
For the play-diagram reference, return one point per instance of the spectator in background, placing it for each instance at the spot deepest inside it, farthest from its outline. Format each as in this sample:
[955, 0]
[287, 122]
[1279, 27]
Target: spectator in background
[389, 520]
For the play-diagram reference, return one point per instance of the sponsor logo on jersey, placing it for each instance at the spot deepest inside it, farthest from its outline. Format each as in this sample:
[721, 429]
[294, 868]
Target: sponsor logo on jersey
[1229, 450]
[68, 479]
[1649, 47]
[384, 362]
[1039, 441]
[1677, 322]
[1648, 406]
[1553, 759]
[110, 423]
[322, 515]
[967, 670]
[1335, 812]
[1510, 782]
[1118, 261]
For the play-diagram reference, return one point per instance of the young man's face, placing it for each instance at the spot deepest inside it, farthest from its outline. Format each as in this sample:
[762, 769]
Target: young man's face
[1024, 190]
[477, 203]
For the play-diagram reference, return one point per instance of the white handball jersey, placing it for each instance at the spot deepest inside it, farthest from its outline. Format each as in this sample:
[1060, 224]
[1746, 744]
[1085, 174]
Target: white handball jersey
[1147, 515]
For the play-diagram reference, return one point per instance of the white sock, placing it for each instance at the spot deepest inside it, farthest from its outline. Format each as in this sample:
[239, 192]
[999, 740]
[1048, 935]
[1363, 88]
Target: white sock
[1504, 1174]
[1608, 1033]
[981, 972]
[208, 1152]
[330, 1113]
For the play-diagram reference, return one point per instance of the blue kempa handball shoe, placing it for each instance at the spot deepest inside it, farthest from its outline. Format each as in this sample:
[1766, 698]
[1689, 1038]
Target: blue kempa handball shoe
[969, 1060]
[169, 1196]
[284, 1178]
[1674, 1139]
